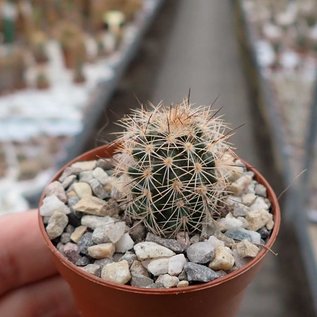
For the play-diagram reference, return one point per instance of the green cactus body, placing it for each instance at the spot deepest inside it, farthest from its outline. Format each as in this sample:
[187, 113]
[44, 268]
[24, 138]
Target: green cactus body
[171, 159]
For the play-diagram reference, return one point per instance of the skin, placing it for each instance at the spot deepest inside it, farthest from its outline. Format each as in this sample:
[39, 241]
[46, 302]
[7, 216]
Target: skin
[29, 283]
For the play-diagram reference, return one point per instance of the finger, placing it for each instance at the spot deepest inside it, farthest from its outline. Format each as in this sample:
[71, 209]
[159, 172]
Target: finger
[48, 298]
[24, 257]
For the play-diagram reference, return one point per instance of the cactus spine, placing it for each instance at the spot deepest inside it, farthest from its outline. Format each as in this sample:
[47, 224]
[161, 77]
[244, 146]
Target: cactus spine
[171, 157]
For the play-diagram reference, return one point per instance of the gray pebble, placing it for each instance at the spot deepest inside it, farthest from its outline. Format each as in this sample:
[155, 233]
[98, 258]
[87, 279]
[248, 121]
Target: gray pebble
[110, 172]
[103, 262]
[69, 229]
[72, 201]
[105, 164]
[98, 189]
[71, 251]
[112, 207]
[238, 260]
[171, 244]
[241, 234]
[264, 233]
[227, 241]
[200, 252]
[199, 273]
[85, 165]
[85, 176]
[130, 257]
[117, 256]
[183, 238]
[68, 181]
[74, 219]
[221, 273]
[83, 261]
[68, 171]
[56, 224]
[260, 190]
[137, 232]
[101, 175]
[155, 285]
[85, 242]
[182, 276]
[137, 268]
[65, 237]
[94, 269]
[56, 188]
[209, 227]
[240, 210]
[60, 247]
[141, 281]
[195, 238]
[46, 219]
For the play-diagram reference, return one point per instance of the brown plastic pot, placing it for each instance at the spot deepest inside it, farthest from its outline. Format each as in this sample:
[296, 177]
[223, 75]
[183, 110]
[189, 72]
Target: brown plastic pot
[218, 298]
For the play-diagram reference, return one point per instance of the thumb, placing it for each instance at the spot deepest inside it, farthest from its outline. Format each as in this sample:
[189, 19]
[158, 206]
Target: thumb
[51, 297]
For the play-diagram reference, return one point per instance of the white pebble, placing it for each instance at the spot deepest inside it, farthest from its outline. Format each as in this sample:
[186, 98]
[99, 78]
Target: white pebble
[116, 272]
[229, 222]
[82, 189]
[91, 205]
[111, 232]
[85, 165]
[247, 249]
[78, 233]
[183, 284]
[248, 199]
[56, 224]
[101, 251]
[156, 266]
[101, 175]
[51, 204]
[215, 242]
[200, 252]
[259, 203]
[125, 243]
[93, 222]
[57, 189]
[258, 219]
[176, 264]
[240, 185]
[167, 280]
[151, 250]
[223, 260]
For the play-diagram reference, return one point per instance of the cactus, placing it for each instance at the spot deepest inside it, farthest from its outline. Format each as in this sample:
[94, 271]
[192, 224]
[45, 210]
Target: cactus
[170, 158]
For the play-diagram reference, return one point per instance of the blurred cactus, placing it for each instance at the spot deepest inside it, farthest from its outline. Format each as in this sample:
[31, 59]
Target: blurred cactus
[171, 161]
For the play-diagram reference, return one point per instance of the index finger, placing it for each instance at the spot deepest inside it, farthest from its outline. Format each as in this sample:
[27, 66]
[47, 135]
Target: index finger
[24, 257]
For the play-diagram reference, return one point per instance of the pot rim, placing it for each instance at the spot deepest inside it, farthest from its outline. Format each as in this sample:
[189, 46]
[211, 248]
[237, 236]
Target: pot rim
[107, 149]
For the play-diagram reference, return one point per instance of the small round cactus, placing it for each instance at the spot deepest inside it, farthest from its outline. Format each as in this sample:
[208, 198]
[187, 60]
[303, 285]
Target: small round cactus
[171, 159]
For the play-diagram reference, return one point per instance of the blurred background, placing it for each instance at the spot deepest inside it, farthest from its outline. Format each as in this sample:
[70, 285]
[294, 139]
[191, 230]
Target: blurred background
[70, 68]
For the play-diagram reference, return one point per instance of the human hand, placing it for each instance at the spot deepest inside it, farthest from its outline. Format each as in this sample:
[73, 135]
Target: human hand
[29, 283]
